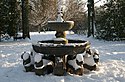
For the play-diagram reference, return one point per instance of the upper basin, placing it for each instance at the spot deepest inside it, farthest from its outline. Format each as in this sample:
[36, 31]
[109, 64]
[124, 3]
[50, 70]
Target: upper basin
[60, 26]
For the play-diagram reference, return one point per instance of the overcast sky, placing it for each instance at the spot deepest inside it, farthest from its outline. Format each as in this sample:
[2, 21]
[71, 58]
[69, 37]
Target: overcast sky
[97, 4]
[101, 2]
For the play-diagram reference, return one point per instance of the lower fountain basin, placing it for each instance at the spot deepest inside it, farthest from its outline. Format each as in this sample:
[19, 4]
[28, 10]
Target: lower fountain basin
[50, 48]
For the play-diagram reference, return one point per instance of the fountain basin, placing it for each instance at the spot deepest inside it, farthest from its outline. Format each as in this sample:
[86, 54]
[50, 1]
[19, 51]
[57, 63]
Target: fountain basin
[72, 48]
[60, 26]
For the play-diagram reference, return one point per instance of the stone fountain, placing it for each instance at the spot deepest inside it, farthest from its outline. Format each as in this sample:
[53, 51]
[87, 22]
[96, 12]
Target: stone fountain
[60, 46]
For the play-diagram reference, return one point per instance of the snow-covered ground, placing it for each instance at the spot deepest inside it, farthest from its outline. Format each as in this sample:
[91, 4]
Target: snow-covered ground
[111, 69]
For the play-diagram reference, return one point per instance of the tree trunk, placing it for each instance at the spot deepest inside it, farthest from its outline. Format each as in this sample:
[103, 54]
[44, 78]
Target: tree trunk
[89, 10]
[93, 18]
[25, 21]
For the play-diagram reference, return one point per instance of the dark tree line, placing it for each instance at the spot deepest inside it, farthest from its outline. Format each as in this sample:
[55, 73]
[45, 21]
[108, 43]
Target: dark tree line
[11, 15]
[110, 20]
[29, 15]
[18, 16]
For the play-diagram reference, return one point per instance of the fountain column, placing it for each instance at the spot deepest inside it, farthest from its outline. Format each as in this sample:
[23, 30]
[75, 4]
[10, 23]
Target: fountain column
[60, 66]
[61, 33]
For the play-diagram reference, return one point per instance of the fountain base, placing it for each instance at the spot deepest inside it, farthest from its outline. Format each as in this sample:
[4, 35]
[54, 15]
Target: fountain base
[58, 69]
[58, 50]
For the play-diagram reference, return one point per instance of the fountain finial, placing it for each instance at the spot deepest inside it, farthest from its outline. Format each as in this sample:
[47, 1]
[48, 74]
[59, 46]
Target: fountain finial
[60, 25]
[60, 11]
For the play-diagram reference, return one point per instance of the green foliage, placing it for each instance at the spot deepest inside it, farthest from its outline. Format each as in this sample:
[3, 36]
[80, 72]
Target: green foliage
[3, 16]
[110, 20]
[9, 17]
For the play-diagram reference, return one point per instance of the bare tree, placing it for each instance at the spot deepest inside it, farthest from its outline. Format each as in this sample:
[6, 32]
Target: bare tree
[44, 10]
[73, 9]
[41, 12]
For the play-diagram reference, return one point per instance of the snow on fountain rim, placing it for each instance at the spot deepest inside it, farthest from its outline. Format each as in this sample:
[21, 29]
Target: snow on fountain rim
[53, 44]
[60, 21]
[59, 39]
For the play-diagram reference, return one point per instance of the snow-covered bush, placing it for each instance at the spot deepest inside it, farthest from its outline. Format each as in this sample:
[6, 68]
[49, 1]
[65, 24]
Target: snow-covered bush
[42, 65]
[74, 64]
[89, 60]
[27, 61]
[4, 37]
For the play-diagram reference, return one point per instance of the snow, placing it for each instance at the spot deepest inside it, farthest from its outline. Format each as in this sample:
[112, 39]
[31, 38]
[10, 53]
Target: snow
[37, 58]
[60, 19]
[79, 57]
[59, 39]
[96, 57]
[89, 60]
[111, 66]
[26, 56]
[47, 62]
[74, 64]
[95, 51]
